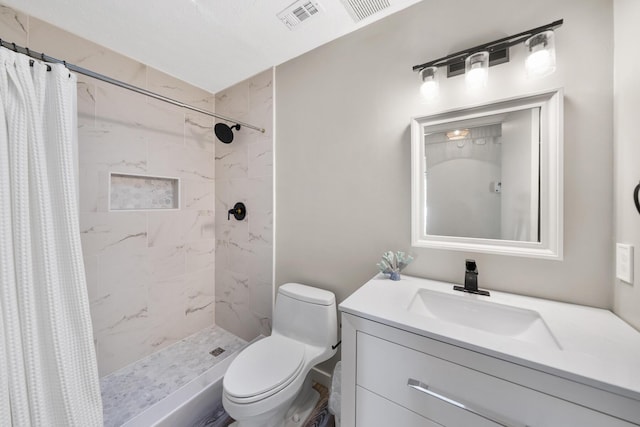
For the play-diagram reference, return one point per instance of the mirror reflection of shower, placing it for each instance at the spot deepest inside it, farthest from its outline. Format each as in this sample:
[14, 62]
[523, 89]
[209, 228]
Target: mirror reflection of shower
[224, 132]
[482, 177]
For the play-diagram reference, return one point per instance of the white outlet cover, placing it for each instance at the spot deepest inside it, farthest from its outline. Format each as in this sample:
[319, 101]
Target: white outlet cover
[624, 262]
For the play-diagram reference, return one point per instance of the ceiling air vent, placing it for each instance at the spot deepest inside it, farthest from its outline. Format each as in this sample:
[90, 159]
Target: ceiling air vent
[360, 9]
[297, 12]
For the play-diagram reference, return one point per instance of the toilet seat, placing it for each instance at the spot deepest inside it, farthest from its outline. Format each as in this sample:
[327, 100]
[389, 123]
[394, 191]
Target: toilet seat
[263, 369]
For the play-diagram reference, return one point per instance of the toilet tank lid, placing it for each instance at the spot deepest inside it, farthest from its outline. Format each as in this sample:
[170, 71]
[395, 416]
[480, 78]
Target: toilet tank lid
[307, 294]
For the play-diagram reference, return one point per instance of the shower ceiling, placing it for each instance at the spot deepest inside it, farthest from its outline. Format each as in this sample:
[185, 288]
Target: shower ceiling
[212, 44]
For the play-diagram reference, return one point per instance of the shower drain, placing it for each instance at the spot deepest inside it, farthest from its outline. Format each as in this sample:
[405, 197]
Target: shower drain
[216, 351]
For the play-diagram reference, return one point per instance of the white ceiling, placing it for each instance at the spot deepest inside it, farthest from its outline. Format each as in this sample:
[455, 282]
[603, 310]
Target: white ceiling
[211, 44]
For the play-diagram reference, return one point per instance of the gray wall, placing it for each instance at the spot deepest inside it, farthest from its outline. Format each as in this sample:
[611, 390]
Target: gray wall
[627, 150]
[343, 155]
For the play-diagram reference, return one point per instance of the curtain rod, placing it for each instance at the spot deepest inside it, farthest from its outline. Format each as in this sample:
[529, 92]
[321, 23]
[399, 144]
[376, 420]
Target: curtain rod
[45, 58]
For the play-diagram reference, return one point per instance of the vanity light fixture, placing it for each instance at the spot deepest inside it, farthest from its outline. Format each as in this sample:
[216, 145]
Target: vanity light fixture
[476, 69]
[475, 61]
[541, 60]
[430, 84]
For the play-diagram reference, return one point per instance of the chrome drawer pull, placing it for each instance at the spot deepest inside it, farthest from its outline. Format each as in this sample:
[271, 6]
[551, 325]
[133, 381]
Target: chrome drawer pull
[424, 388]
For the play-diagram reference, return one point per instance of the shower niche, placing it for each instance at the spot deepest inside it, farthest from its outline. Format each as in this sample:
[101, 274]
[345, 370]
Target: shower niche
[129, 192]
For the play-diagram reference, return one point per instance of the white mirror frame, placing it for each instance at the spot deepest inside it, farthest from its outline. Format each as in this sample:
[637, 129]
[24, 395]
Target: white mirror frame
[551, 179]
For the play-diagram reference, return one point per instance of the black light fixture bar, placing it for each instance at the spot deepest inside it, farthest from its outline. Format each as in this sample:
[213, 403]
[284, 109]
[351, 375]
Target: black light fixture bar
[498, 51]
[497, 55]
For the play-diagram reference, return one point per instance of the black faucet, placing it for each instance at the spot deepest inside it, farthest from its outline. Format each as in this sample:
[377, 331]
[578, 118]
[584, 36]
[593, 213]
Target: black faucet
[471, 279]
[470, 276]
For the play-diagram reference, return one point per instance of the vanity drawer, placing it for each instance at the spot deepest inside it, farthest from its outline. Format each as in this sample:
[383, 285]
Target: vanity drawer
[375, 411]
[387, 368]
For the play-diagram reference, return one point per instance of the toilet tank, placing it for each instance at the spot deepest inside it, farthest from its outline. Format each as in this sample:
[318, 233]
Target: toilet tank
[306, 314]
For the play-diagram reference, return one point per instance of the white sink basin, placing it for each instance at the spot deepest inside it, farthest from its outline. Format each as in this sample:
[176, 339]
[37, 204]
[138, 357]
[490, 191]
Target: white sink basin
[498, 319]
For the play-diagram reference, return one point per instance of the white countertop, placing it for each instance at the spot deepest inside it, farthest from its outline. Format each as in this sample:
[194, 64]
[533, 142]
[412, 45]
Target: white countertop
[597, 347]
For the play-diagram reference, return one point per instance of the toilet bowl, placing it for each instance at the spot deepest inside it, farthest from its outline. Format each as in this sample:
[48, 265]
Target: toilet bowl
[267, 384]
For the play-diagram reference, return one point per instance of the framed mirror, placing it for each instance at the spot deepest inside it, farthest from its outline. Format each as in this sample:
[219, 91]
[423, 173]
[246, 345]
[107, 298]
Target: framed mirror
[488, 178]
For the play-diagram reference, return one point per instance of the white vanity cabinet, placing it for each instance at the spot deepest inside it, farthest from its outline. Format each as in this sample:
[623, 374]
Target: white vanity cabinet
[393, 376]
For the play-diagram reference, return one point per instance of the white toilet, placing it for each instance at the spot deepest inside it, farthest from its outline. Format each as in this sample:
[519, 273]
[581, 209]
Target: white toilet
[266, 385]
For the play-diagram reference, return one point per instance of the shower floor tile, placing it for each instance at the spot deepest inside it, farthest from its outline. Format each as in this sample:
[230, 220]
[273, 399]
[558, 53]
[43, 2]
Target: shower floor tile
[132, 389]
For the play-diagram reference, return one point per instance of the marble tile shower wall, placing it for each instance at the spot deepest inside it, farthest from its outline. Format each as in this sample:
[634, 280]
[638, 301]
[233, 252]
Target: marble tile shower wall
[244, 173]
[150, 275]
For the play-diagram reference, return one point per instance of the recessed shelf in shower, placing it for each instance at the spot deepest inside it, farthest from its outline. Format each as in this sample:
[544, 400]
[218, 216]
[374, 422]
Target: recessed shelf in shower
[129, 192]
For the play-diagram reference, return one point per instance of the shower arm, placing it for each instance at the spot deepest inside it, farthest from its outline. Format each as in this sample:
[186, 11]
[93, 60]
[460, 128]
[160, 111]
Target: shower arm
[72, 67]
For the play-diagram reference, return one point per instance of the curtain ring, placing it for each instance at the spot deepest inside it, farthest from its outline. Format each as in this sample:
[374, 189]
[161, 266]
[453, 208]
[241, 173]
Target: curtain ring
[28, 53]
[15, 49]
[43, 60]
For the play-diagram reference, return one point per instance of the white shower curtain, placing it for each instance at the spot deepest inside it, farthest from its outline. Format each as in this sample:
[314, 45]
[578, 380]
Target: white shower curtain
[48, 372]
